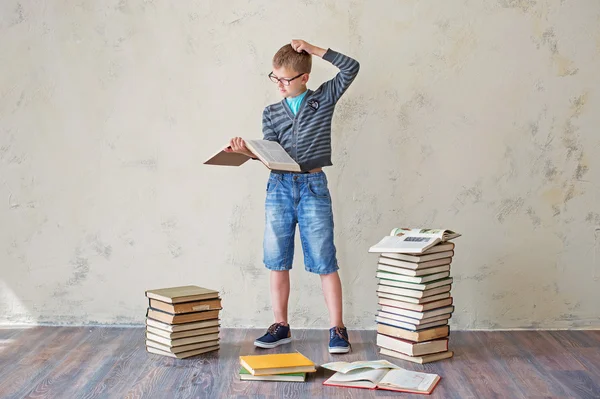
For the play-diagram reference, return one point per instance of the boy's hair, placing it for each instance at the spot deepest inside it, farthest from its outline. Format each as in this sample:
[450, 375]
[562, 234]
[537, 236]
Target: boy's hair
[287, 57]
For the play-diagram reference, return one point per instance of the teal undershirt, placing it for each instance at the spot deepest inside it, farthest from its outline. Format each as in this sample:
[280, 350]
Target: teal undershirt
[294, 102]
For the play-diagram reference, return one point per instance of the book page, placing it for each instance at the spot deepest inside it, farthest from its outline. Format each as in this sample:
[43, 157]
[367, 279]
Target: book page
[344, 367]
[404, 244]
[443, 235]
[368, 377]
[411, 380]
[271, 151]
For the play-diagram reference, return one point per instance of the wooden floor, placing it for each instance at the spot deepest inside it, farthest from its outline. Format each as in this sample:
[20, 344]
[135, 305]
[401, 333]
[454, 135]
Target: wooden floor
[103, 362]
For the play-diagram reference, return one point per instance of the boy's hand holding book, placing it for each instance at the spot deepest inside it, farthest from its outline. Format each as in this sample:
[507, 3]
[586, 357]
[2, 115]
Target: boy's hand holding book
[270, 153]
[238, 145]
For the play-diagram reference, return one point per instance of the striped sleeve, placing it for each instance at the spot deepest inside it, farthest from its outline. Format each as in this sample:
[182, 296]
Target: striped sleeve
[348, 70]
[267, 127]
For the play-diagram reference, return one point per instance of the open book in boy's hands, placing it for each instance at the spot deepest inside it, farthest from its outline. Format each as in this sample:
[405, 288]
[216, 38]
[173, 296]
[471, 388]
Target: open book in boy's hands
[270, 153]
[412, 241]
[380, 374]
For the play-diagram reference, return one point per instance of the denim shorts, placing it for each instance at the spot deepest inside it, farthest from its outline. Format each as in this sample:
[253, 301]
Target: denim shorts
[299, 199]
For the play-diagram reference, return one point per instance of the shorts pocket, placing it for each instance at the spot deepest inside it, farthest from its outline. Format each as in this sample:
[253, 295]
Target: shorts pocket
[272, 184]
[318, 188]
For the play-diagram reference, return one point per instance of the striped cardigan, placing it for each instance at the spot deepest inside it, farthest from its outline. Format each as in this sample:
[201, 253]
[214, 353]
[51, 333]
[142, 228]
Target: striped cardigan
[307, 135]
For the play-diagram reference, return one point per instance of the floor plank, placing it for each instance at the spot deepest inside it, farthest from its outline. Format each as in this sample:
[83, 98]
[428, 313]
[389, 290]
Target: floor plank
[9, 332]
[107, 362]
[68, 378]
[581, 383]
[37, 355]
[23, 343]
[589, 358]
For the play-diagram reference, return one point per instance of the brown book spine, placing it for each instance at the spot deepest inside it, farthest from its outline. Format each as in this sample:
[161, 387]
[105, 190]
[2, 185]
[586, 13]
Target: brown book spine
[415, 336]
[182, 318]
[186, 307]
[417, 359]
[424, 307]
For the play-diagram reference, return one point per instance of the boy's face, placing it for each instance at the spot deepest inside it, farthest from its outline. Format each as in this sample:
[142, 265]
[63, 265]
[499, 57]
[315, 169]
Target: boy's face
[296, 81]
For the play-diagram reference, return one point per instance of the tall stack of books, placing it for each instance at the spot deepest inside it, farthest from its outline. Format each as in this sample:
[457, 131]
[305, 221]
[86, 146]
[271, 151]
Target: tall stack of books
[290, 367]
[182, 321]
[414, 296]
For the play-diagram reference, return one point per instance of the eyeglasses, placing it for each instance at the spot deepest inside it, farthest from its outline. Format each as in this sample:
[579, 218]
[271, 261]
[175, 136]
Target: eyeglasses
[284, 81]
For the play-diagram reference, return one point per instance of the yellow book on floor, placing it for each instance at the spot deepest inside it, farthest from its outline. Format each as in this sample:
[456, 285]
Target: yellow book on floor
[278, 363]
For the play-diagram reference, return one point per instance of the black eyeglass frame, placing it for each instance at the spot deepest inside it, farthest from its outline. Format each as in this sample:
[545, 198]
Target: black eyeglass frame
[284, 81]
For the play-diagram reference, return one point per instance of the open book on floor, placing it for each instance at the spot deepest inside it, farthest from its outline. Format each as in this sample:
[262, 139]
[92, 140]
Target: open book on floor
[379, 376]
[270, 153]
[412, 241]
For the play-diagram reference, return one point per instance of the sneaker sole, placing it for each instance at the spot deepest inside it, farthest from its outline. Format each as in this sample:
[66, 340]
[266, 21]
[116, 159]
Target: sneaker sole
[339, 349]
[272, 345]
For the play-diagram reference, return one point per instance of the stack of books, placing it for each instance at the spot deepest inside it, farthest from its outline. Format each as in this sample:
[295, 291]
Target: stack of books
[182, 321]
[276, 367]
[414, 295]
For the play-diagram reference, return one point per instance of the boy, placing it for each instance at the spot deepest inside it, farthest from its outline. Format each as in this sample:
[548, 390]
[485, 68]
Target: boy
[301, 123]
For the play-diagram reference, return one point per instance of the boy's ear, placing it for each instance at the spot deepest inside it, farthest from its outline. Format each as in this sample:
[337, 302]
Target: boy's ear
[305, 78]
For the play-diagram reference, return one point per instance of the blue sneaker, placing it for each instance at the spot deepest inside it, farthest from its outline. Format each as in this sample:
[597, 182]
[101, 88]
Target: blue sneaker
[276, 335]
[338, 340]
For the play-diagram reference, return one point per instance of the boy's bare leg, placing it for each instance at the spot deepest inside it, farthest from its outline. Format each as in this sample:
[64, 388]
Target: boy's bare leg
[332, 290]
[280, 294]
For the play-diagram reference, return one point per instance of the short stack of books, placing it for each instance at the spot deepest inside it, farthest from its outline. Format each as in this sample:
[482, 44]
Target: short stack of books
[276, 367]
[415, 299]
[182, 321]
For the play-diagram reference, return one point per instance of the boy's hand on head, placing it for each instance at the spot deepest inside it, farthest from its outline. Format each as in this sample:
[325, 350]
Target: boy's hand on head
[301, 45]
[238, 145]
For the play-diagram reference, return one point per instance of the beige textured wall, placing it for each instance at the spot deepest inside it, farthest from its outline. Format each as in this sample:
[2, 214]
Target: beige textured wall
[480, 116]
